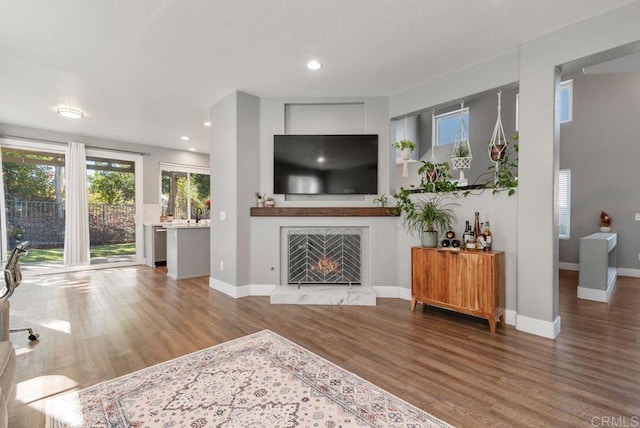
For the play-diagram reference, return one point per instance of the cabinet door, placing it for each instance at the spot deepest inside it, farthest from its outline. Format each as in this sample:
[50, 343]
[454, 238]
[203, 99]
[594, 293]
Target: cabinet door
[476, 289]
[424, 273]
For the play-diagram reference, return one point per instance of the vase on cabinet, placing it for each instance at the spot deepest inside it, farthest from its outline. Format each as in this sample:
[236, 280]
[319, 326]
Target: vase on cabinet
[429, 239]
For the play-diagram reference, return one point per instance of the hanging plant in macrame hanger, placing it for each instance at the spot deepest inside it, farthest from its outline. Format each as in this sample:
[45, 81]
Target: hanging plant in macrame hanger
[498, 143]
[406, 147]
[461, 155]
[432, 172]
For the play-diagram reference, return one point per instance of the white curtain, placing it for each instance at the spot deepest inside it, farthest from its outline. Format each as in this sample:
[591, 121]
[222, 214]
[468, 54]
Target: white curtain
[3, 223]
[76, 237]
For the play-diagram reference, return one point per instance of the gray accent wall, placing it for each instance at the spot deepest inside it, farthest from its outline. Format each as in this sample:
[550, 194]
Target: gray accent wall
[483, 112]
[234, 180]
[602, 149]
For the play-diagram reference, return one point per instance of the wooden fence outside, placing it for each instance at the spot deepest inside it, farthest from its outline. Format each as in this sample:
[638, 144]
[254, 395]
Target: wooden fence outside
[42, 223]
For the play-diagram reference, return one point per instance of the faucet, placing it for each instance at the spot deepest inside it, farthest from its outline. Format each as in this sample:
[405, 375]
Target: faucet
[198, 215]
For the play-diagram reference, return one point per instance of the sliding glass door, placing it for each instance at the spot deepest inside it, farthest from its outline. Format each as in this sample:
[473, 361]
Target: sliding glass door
[34, 203]
[111, 186]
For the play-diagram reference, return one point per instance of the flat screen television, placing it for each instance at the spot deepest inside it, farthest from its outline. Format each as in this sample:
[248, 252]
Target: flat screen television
[325, 164]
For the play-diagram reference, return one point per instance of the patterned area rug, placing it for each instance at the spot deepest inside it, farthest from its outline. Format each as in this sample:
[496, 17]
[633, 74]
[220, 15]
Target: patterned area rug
[260, 380]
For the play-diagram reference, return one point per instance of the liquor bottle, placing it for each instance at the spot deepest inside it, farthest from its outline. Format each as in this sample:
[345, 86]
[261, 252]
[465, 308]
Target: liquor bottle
[467, 232]
[487, 236]
[471, 242]
[476, 226]
[480, 243]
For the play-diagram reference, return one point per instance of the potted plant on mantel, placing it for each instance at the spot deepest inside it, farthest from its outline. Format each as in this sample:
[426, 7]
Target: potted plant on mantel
[427, 216]
[381, 201]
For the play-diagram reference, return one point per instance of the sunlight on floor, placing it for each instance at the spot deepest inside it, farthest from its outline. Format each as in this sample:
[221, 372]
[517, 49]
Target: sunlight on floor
[23, 350]
[59, 325]
[32, 391]
[54, 280]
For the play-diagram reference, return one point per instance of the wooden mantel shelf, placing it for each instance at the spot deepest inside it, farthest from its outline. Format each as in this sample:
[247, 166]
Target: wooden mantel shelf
[324, 212]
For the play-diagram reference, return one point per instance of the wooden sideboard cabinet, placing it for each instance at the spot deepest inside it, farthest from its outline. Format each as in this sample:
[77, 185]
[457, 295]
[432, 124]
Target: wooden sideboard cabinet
[470, 282]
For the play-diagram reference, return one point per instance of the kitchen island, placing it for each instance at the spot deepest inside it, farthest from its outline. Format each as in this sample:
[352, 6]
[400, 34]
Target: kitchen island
[188, 250]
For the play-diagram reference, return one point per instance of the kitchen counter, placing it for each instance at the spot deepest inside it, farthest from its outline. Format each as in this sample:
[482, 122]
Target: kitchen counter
[185, 225]
[187, 250]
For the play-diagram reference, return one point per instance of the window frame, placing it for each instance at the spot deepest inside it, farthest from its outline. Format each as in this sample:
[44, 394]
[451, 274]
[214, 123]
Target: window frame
[564, 203]
[448, 115]
[188, 169]
[568, 86]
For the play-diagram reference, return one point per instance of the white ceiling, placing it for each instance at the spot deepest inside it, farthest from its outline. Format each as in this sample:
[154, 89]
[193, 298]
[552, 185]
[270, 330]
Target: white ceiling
[147, 71]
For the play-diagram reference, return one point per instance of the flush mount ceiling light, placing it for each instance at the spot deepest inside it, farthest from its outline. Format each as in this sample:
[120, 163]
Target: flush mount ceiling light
[207, 124]
[192, 149]
[70, 112]
[185, 138]
[314, 65]
[320, 159]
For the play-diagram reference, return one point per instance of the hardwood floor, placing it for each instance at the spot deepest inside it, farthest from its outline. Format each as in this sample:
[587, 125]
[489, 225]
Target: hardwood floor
[102, 324]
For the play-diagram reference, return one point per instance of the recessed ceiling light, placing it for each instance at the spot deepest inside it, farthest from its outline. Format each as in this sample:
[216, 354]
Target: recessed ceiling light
[314, 65]
[192, 149]
[320, 159]
[207, 124]
[185, 138]
[70, 112]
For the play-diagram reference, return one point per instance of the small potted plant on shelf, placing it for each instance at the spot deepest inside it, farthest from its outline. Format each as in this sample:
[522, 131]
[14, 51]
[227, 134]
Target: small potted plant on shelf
[406, 147]
[427, 217]
[269, 202]
[381, 201]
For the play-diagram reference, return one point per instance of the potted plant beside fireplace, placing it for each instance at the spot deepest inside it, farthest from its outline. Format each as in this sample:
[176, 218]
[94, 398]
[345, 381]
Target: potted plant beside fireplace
[427, 217]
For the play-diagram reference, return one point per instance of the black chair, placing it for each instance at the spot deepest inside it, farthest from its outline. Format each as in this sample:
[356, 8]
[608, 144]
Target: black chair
[12, 279]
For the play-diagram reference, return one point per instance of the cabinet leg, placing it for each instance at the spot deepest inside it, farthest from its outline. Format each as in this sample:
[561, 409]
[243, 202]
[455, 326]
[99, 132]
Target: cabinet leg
[502, 319]
[492, 325]
[413, 304]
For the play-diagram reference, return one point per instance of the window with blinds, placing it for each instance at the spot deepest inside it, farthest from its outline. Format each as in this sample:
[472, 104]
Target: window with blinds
[564, 202]
[566, 101]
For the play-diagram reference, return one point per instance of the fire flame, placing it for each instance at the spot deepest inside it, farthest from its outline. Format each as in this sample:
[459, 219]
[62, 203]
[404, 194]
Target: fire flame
[325, 265]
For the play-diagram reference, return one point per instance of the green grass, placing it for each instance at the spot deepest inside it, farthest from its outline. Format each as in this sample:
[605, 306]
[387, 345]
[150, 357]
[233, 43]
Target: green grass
[37, 255]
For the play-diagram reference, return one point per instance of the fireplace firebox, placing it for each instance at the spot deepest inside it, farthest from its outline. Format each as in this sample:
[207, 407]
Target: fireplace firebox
[325, 256]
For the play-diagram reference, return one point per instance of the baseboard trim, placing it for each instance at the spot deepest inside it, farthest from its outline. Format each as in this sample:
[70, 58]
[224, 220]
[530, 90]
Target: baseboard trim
[634, 273]
[262, 289]
[392, 292]
[593, 294]
[538, 327]
[510, 317]
[568, 266]
[230, 290]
